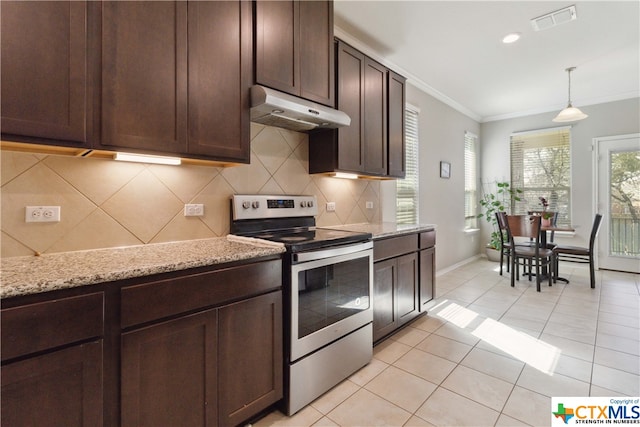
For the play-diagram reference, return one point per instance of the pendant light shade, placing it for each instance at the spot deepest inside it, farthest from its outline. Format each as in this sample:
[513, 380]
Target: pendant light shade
[571, 113]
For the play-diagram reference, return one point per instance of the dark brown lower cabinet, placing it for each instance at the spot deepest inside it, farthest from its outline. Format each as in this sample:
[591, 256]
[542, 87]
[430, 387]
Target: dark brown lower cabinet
[427, 277]
[408, 287]
[62, 388]
[427, 243]
[217, 367]
[169, 373]
[395, 294]
[52, 361]
[200, 347]
[384, 284]
[249, 357]
[403, 280]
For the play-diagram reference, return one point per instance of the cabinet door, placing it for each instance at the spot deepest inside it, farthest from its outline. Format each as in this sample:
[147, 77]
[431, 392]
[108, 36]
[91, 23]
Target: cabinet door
[220, 77]
[144, 75]
[351, 65]
[63, 388]
[427, 276]
[385, 278]
[375, 118]
[44, 70]
[407, 288]
[317, 73]
[396, 152]
[250, 357]
[168, 374]
[277, 50]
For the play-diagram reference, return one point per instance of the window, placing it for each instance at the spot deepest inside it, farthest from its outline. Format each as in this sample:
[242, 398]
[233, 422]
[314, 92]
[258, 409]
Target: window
[470, 181]
[407, 188]
[540, 166]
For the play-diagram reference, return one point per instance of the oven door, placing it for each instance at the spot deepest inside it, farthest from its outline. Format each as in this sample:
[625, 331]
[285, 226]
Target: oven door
[331, 296]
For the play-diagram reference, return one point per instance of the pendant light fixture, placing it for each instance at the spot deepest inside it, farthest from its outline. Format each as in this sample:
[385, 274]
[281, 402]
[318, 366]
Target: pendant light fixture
[571, 113]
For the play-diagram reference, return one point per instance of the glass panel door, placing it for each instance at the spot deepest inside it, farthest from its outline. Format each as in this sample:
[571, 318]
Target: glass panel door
[619, 202]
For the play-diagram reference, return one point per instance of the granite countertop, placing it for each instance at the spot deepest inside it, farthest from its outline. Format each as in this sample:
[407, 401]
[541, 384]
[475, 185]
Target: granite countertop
[35, 274]
[385, 229]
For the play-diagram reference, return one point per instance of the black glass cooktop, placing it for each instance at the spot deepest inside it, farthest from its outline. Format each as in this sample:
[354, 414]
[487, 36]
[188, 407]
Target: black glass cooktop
[296, 240]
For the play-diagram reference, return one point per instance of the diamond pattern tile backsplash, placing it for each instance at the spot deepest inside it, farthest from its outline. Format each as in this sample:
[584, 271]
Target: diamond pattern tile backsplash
[105, 203]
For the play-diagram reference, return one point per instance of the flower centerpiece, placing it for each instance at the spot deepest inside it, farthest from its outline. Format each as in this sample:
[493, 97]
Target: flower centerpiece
[546, 216]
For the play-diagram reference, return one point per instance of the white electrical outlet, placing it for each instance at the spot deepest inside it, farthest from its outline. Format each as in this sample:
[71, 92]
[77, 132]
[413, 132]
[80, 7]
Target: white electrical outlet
[194, 209]
[369, 205]
[331, 206]
[42, 214]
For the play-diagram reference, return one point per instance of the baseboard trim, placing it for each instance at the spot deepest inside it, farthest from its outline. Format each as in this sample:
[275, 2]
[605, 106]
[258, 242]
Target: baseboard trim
[459, 264]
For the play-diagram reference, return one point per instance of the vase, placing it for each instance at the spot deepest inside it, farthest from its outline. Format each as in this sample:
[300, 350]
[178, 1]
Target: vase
[546, 222]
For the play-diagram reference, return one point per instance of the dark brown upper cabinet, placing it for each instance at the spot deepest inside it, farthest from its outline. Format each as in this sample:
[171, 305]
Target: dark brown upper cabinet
[144, 76]
[176, 78]
[373, 96]
[46, 68]
[375, 118]
[396, 152]
[294, 48]
[342, 149]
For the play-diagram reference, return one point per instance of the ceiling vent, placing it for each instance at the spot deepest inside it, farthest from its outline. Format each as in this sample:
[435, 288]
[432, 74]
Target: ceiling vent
[554, 18]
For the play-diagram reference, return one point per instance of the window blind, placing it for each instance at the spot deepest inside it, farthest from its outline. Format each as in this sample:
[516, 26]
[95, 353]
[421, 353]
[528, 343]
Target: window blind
[407, 188]
[540, 166]
[470, 180]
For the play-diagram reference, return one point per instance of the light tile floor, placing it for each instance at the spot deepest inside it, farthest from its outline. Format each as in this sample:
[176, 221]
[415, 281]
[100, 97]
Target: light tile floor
[488, 354]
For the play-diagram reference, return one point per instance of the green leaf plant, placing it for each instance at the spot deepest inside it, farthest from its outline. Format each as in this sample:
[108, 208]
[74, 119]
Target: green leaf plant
[497, 197]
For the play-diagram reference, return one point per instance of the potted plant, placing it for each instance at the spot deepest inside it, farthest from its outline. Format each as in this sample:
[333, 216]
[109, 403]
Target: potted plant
[546, 216]
[498, 200]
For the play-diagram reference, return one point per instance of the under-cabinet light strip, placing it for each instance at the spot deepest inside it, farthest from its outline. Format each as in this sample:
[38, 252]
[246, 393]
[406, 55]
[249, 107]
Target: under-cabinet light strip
[143, 158]
[345, 175]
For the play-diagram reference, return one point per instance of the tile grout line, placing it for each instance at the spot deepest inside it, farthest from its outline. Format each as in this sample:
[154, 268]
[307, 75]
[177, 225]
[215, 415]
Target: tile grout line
[595, 340]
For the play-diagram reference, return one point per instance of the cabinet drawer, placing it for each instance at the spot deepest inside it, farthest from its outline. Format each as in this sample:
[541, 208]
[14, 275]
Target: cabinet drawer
[427, 239]
[41, 326]
[395, 246]
[156, 300]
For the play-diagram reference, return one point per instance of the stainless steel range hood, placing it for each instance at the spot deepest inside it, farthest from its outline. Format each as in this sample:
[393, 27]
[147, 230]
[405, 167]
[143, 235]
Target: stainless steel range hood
[273, 108]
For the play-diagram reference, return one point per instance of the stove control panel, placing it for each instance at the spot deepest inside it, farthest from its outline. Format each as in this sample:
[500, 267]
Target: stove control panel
[262, 206]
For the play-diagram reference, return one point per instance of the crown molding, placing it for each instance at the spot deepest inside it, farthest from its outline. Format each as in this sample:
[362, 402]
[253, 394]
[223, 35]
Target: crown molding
[411, 78]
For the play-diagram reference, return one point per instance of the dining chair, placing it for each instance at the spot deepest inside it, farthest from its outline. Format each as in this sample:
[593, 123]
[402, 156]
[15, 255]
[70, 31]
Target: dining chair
[554, 223]
[579, 254]
[528, 226]
[501, 218]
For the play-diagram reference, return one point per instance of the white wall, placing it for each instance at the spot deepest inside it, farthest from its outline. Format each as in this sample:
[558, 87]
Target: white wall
[614, 118]
[441, 132]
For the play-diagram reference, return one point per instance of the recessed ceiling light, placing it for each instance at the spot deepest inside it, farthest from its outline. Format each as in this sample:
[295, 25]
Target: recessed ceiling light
[511, 38]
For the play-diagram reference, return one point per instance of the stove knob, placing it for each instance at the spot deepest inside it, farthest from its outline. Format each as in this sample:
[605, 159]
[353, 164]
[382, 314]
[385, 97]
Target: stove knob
[255, 204]
[303, 204]
[246, 204]
[310, 203]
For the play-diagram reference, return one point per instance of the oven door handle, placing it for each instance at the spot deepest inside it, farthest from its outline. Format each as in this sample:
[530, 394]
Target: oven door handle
[328, 253]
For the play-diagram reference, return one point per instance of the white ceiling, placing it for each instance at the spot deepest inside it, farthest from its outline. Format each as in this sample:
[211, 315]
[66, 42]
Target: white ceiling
[454, 51]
